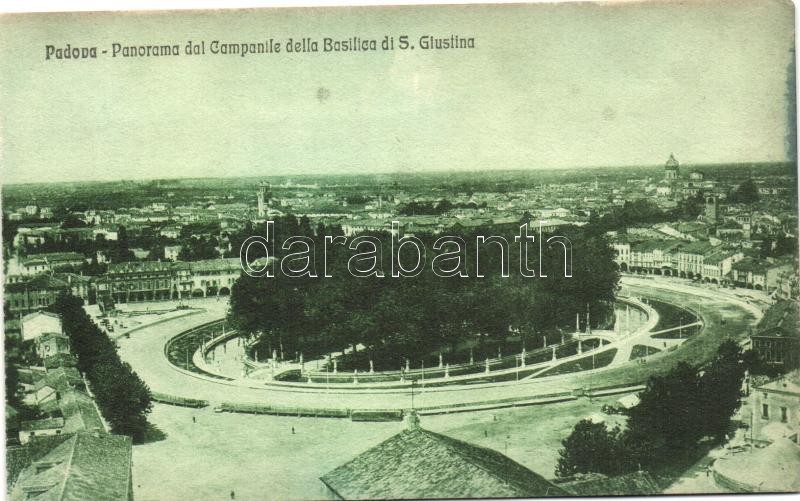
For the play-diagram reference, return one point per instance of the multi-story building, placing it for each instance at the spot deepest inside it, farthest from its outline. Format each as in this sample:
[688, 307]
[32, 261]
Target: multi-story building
[36, 324]
[35, 294]
[141, 281]
[691, 258]
[776, 339]
[160, 280]
[761, 275]
[654, 256]
[34, 264]
[622, 248]
[211, 277]
[776, 409]
[672, 257]
[718, 263]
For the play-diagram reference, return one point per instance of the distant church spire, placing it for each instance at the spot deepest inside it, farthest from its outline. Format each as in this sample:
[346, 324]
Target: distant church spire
[671, 168]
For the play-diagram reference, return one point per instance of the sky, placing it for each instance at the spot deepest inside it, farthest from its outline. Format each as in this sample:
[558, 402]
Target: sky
[547, 86]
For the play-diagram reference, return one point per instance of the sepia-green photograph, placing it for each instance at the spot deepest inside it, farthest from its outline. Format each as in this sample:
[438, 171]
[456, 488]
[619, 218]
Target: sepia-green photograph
[474, 251]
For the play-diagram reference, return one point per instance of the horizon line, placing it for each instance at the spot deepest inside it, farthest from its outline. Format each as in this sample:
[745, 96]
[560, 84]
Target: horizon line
[397, 172]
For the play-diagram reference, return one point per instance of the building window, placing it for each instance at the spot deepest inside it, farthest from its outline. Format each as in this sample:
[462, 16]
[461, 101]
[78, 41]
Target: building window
[765, 411]
[784, 415]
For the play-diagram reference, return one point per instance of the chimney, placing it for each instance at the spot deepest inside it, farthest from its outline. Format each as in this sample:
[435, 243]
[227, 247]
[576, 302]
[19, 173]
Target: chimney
[412, 421]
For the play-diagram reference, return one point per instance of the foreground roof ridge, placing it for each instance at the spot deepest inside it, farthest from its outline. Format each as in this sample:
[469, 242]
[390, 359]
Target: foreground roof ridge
[68, 467]
[461, 448]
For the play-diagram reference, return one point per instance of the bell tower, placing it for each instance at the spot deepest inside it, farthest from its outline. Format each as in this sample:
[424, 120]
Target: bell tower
[263, 198]
[712, 209]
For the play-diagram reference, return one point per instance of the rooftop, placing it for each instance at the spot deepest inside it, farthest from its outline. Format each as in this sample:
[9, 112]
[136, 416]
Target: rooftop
[222, 264]
[651, 245]
[780, 320]
[139, 267]
[40, 282]
[60, 379]
[417, 463]
[750, 264]
[787, 383]
[697, 248]
[80, 413]
[771, 469]
[717, 256]
[59, 360]
[36, 314]
[54, 257]
[639, 483]
[54, 423]
[86, 466]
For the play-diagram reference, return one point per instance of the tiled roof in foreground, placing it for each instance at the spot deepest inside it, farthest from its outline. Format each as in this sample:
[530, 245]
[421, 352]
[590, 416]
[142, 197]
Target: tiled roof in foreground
[84, 467]
[639, 483]
[418, 464]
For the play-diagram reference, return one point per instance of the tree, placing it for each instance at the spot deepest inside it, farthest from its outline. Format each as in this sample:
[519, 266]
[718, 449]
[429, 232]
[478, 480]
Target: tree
[670, 411]
[691, 207]
[745, 193]
[591, 448]
[674, 412]
[73, 221]
[720, 386]
[418, 317]
[12, 384]
[123, 398]
[196, 249]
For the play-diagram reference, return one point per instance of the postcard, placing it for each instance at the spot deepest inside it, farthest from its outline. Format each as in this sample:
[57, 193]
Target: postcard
[401, 252]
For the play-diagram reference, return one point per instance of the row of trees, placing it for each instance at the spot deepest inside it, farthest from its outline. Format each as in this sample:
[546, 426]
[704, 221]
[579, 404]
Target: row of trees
[436, 208]
[675, 412]
[416, 317]
[123, 398]
[115, 250]
[645, 212]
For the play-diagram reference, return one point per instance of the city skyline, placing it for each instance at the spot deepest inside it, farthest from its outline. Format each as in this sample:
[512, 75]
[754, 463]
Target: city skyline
[544, 99]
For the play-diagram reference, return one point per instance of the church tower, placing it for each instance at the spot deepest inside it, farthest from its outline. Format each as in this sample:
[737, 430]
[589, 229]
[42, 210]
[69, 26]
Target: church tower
[263, 198]
[671, 169]
[712, 209]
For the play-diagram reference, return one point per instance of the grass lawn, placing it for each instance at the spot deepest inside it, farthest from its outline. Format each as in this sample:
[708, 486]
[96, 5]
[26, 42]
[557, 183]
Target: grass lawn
[670, 315]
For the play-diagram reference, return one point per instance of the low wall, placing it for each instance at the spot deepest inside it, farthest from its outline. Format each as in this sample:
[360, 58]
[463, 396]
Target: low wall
[179, 401]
